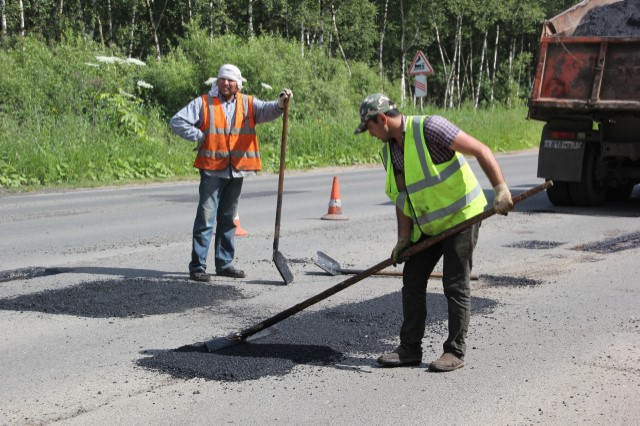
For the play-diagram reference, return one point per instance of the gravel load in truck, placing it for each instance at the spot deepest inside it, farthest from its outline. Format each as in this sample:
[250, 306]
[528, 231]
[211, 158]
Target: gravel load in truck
[620, 19]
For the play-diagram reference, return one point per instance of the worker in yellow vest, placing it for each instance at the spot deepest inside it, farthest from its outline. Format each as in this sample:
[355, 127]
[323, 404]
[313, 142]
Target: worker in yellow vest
[222, 122]
[433, 189]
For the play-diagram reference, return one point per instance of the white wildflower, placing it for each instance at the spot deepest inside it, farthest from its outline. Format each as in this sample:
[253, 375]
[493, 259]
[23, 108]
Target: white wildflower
[109, 59]
[135, 61]
[144, 84]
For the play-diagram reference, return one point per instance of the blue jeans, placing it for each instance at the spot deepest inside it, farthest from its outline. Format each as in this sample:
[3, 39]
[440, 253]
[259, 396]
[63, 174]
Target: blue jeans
[217, 207]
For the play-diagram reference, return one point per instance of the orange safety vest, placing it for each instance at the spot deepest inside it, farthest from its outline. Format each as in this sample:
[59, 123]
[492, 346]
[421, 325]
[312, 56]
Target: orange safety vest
[224, 143]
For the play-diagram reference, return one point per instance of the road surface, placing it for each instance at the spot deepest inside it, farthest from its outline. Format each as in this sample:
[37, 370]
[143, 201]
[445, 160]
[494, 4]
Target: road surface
[95, 300]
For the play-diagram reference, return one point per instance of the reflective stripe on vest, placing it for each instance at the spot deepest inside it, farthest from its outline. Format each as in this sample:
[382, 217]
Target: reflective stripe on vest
[224, 144]
[438, 196]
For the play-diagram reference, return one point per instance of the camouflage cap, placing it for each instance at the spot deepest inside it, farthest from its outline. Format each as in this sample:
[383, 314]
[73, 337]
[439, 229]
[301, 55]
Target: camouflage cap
[371, 107]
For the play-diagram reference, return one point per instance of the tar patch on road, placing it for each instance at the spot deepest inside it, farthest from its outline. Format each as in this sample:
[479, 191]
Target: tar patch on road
[507, 281]
[535, 244]
[30, 272]
[320, 338]
[135, 297]
[612, 245]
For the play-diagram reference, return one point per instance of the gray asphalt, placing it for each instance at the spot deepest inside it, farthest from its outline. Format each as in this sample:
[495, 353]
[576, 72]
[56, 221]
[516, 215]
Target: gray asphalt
[100, 324]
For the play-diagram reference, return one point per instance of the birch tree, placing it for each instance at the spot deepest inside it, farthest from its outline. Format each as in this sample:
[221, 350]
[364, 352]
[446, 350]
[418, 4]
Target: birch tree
[3, 19]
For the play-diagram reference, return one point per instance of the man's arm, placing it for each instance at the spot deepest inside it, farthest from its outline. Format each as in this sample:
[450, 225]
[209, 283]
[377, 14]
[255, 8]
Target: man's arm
[405, 223]
[468, 145]
[186, 123]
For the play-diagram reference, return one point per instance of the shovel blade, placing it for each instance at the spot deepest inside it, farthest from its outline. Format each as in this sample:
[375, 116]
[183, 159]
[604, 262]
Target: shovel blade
[328, 264]
[283, 268]
[220, 343]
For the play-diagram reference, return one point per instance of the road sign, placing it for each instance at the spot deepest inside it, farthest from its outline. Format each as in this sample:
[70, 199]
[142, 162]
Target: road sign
[420, 65]
[421, 86]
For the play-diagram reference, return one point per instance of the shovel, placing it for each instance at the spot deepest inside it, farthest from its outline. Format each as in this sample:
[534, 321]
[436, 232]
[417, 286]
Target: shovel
[332, 267]
[278, 258]
[240, 336]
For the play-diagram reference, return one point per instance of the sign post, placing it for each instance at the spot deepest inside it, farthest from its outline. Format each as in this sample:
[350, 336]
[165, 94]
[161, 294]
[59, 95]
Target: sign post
[420, 68]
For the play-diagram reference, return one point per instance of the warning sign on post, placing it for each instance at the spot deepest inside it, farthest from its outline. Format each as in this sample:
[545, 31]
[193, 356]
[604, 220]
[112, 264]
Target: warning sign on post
[420, 65]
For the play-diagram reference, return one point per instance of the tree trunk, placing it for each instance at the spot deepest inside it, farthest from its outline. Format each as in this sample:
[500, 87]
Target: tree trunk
[153, 29]
[100, 33]
[22, 29]
[384, 27]
[459, 61]
[59, 19]
[110, 18]
[190, 11]
[250, 14]
[403, 62]
[3, 19]
[335, 28]
[476, 99]
[210, 20]
[495, 63]
[444, 64]
[302, 39]
[133, 28]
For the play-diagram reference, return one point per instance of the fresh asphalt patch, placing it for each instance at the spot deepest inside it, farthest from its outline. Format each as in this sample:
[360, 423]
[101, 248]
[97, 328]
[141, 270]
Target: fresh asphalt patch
[320, 338]
[612, 245]
[508, 281]
[535, 244]
[124, 298]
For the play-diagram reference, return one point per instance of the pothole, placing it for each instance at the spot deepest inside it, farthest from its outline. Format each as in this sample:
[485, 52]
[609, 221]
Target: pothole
[612, 245]
[30, 272]
[123, 298]
[535, 244]
[507, 281]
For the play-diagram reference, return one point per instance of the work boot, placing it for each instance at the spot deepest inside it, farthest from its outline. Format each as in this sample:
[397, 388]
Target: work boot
[399, 358]
[201, 276]
[230, 272]
[447, 362]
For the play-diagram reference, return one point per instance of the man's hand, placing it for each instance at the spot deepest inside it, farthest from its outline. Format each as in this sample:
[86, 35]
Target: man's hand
[285, 96]
[502, 201]
[402, 245]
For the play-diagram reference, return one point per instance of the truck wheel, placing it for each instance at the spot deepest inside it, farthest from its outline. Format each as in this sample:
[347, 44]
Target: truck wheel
[558, 194]
[591, 190]
[621, 192]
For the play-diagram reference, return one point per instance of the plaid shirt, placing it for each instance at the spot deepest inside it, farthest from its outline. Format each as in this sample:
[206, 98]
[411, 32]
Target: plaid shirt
[439, 134]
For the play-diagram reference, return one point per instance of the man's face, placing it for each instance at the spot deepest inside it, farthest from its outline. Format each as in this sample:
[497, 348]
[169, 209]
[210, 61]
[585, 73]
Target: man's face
[378, 128]
[227, 88]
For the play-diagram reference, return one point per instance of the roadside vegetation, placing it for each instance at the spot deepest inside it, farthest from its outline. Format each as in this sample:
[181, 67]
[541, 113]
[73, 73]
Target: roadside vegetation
[73, 114]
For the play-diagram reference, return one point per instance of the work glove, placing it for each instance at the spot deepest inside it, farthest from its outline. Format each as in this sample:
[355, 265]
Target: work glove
[402, 245]
[284, 97]
[502, 201]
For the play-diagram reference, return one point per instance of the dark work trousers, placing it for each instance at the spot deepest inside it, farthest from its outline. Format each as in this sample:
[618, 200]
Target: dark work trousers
[457, 253]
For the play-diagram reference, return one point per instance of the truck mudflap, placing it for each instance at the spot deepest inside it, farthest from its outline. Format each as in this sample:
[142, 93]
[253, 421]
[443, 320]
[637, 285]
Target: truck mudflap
[560, 159]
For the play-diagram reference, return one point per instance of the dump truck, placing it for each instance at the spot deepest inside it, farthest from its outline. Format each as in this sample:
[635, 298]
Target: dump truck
[587, 91]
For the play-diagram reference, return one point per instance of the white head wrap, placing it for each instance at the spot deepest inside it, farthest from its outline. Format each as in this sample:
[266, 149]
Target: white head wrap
[231, 72]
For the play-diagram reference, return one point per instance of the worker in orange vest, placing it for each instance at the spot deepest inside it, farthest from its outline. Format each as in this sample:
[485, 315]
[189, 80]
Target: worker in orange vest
[222, 122]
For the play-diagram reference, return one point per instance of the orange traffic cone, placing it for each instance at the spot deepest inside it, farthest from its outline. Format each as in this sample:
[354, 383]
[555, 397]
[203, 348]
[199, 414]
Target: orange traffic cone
[240, 232]
[335, 205]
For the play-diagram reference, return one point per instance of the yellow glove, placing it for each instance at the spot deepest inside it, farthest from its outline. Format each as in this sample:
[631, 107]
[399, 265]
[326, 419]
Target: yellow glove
[402, 245]
[502, 201]
[285, 96]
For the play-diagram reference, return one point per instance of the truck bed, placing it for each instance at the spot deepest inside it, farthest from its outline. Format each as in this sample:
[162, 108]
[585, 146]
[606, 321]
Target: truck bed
[585, 67]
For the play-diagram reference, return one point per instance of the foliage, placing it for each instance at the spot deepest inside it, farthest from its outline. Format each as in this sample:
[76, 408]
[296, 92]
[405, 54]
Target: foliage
[75, 114]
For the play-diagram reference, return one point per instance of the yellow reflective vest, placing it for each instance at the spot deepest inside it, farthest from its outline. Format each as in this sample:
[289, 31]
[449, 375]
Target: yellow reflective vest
[437, 196]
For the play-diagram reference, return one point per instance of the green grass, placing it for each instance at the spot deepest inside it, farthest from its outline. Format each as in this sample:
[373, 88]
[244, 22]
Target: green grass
[68, 120]
[64, 152]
